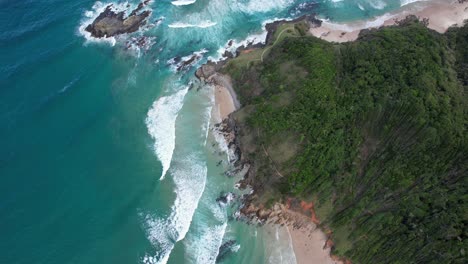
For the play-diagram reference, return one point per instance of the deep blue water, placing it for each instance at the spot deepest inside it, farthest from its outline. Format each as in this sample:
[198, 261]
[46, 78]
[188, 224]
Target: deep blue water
[87, 129]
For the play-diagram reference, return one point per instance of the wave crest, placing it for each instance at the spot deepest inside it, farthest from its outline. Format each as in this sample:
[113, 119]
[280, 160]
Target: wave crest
[160, 122]
[205, 24]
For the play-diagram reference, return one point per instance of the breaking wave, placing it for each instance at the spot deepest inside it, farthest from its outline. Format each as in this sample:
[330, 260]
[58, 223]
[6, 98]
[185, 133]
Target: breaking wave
[183, 2]
[189, 179]
[205, 24]
[160, 122]
[205, 247]
[263, 6]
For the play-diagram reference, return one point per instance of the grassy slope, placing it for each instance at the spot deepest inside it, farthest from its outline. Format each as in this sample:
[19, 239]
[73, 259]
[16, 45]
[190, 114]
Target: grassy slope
[376, 127]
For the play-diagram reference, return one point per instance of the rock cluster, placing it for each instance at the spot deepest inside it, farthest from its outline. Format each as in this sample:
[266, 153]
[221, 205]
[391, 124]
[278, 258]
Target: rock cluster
[110, 23]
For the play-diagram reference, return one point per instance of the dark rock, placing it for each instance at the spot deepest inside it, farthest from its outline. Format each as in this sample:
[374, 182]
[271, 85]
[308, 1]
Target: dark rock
[228, 54]
[206, 71]
[225, 198]
[225, 249]
[186, 64]
[110, 23]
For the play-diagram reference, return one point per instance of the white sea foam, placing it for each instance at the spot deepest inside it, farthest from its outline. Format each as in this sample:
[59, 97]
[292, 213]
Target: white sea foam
[160, 122]
[183, 2]
[204, 24]
[190, 183]
[263, 6]
[204, 248]
[189, 177]
[377, 4]
[236, 248]
[182, 64]
[281, 248]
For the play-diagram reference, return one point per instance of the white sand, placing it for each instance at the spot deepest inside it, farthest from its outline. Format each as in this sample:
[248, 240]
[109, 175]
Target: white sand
[309, 247]
[441, 14]
[224, 101]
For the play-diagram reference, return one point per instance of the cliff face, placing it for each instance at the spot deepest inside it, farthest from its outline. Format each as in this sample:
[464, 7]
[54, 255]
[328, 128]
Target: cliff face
[372, 131]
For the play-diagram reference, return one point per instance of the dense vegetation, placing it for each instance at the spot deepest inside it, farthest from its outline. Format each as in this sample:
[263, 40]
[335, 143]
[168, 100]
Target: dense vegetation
[378, 129]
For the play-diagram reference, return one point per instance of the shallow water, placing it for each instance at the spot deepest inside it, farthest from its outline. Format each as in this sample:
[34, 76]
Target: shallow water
[106, 155]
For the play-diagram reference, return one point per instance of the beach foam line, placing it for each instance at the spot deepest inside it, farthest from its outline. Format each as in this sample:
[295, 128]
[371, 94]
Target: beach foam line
[160, 121]
[183, 2]
[205, 24]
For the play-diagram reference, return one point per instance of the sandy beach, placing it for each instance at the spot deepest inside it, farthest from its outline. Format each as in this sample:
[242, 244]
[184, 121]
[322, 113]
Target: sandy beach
[309, 243]
[224, 102]
[309, 247]
[441, 14]
[225, 97]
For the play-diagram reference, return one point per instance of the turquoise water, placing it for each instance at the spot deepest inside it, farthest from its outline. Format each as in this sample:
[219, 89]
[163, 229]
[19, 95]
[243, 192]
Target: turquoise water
[88, 129]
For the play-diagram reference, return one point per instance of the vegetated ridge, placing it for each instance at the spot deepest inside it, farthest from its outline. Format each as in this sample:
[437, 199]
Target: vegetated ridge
[372, 131]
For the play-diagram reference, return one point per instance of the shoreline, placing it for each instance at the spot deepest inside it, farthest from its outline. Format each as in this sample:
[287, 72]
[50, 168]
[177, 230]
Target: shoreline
[223, 102]
[225, 97]
[313, 244]
[442, 14]
[311, 247]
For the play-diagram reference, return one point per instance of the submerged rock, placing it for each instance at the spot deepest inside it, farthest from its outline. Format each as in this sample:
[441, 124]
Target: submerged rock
[110, 23]
[225, 198]
[226, 248]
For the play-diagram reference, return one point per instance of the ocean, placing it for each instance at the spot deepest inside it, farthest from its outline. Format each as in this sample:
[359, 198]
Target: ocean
[107, 152]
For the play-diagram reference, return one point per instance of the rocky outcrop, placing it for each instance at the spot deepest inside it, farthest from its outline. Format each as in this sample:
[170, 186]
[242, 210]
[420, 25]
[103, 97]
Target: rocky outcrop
[208, 70]
[229, 130]
[271, 28]
[110, 23]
